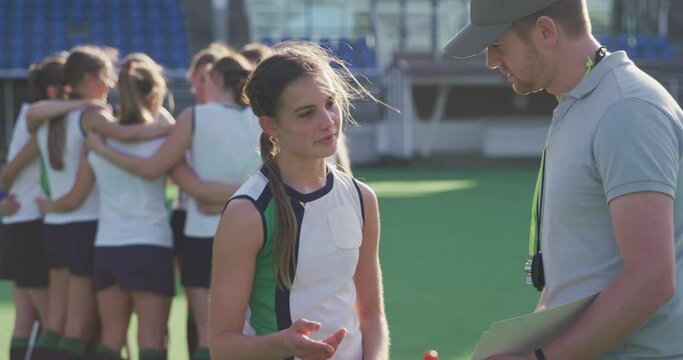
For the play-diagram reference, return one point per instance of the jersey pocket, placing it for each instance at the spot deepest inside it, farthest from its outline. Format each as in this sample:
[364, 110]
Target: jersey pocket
[345, 227]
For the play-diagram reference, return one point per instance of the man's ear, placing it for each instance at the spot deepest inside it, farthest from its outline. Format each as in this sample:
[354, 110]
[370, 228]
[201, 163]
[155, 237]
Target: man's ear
[268, 125]
[548, 31]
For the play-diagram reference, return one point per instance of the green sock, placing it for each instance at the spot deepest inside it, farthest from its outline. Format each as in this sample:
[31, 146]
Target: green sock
[152, 354]
[49, 339]
[19, 342]
[201, 353]
[103, 349]
[72, 345]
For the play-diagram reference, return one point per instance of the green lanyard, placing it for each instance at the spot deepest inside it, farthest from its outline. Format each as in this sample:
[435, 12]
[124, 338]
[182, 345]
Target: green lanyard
[536, 205]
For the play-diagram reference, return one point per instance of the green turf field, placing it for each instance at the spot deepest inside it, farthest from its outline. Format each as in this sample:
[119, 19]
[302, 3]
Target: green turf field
[453, 244]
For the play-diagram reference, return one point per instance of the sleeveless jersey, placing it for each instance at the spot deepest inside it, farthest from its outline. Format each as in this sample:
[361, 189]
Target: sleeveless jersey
[330, 222]
[61, 181]
[132, 209]
[224, 148]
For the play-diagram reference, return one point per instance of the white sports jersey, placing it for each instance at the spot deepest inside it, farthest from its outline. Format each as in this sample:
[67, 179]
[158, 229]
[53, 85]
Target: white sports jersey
[224, 149]
[26, 187]
[61, 181]
[132, 209]
[331, 232]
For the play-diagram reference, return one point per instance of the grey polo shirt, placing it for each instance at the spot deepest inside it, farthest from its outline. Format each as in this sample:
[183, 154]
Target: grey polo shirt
[617, 132]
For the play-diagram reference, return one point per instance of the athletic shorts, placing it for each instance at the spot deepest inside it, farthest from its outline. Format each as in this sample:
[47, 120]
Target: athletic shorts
[135, 268]
[71, 245]
[178, 227]
[25, 258]
[4, 272]
[197, 255]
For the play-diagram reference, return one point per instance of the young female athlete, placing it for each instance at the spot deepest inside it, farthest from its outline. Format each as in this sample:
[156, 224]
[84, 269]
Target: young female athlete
[134, 256]
[296, 252]
[22, 221]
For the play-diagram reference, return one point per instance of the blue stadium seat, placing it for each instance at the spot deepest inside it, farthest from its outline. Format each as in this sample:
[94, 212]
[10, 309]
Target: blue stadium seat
[267, 41]
[363, 56]
[76, 11]
[327, 44]
[345, 51]
[59, 43]
[17, 60]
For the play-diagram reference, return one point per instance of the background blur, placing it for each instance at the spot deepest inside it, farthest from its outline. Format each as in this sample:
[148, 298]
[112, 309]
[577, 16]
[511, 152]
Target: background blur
[454, 170]
[447, 106]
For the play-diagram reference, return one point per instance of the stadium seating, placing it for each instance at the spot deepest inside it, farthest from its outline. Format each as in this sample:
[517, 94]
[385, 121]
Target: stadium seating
[640, 46]
[33, 29]
[355, 52]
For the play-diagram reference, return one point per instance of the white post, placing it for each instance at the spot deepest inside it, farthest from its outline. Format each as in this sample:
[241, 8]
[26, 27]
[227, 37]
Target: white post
[220, 19]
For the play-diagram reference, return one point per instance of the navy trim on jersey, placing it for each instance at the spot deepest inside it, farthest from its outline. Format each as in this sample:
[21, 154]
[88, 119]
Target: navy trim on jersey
[329, 183]
[360, 197]
[80, 124]
[194, 117]
[231, 106]
[261, 204]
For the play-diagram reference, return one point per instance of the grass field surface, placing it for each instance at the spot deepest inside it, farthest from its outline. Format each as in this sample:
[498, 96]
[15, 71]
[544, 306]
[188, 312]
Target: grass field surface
[452, 248]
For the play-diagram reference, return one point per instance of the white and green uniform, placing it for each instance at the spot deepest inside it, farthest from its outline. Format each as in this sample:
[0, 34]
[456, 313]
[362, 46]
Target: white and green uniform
[330, 224]
[132, 209]
[61, 181]
[26, 187]
[224, 149]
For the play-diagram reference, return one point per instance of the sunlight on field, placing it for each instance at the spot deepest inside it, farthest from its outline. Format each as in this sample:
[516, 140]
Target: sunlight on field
[6, 323]
[177, 347]
[401, 189]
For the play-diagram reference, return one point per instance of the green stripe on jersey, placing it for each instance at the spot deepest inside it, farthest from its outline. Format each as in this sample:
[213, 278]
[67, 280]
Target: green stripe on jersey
[44, 180]
[262, 301]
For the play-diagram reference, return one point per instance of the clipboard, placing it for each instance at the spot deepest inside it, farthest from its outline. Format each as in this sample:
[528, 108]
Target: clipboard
[523, 334]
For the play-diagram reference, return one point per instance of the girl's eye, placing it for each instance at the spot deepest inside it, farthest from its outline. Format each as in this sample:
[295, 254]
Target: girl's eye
[305, 114]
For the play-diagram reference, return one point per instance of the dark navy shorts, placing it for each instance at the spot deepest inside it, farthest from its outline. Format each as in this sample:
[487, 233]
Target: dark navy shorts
[197, 254]
[178, 227]
[135, 268]
[25, 259]
[71, 245]
[4, 272]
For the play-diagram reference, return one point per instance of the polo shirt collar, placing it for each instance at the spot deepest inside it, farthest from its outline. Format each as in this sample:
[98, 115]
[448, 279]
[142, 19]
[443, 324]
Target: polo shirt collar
[593, 78]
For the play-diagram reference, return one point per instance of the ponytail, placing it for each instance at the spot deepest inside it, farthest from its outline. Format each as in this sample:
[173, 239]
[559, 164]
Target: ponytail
[56, 132]
[284, 239]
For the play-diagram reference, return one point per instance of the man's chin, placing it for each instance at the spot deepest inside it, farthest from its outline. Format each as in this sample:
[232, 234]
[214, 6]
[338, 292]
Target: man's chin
[525, 90]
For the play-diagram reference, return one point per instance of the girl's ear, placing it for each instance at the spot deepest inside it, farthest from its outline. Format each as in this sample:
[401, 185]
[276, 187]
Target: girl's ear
[268, 125]
[51, 92]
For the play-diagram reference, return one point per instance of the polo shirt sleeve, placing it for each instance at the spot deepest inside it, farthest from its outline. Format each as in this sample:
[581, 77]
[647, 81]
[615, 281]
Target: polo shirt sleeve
[636, 148]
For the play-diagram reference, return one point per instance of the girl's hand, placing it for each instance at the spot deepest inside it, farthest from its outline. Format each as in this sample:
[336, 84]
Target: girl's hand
[9, 205]
[45, 205]
[94, 141]
[305, 348]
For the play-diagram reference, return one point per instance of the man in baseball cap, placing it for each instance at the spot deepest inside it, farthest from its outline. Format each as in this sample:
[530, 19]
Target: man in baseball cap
[608, 217]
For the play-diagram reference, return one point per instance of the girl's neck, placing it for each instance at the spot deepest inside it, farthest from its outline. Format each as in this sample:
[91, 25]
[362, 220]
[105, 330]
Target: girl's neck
[226, 98]
[303, 175]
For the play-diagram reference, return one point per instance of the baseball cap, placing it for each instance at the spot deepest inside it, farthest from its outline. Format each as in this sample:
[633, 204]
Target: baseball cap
[488, 20]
